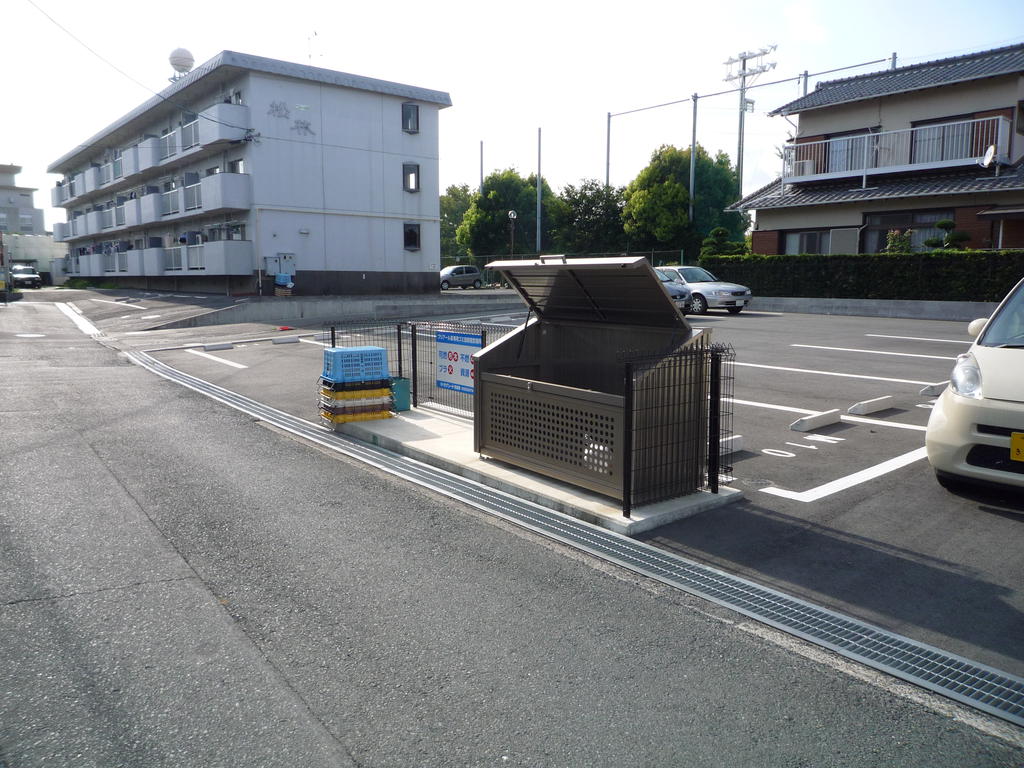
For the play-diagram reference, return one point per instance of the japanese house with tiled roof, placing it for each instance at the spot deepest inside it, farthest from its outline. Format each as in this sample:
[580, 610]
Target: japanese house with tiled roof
[248, 167]
[901, 149]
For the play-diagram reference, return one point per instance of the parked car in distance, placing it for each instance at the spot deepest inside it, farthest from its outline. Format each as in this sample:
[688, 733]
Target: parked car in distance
[976, 427]
[24, 276]
[709, 292]
[461, 276]
[678, 292]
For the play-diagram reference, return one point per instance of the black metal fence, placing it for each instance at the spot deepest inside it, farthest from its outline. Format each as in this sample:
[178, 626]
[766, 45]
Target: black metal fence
[679, 421]
[678, 407]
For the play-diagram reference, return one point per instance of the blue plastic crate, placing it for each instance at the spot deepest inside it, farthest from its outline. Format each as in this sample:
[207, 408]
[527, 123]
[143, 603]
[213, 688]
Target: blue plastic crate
[348, 364]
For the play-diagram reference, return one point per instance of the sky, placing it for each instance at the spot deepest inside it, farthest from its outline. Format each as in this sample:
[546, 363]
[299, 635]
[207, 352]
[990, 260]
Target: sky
[559, 66]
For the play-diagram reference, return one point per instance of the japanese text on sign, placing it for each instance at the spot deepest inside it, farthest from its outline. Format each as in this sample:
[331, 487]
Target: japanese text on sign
[454, 367]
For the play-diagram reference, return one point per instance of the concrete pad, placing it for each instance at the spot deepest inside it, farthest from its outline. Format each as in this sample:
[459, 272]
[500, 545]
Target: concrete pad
[816, 421]
[285, 340]
[446, 442]
[217, 346]
[733, 444]
[871, 406]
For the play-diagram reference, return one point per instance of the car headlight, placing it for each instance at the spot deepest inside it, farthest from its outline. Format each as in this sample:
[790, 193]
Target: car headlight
[966, 377]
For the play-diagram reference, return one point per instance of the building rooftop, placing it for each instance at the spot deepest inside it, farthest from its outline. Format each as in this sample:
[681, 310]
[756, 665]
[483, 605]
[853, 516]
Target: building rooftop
[230, 63]
[963, 181]
[960, 69]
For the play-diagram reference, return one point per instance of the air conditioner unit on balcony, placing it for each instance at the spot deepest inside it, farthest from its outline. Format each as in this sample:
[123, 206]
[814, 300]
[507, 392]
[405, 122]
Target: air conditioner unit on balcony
[803, 168]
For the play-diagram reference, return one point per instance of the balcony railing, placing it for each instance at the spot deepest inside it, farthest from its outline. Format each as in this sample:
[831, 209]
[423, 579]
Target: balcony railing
[169, 202]
[168, 145]
[942, 145]
[184, 257]
[73, 225]
[190, 135]
[119, 215]
[106, 173]
[193, 197]
[117, 168]
[107, 218]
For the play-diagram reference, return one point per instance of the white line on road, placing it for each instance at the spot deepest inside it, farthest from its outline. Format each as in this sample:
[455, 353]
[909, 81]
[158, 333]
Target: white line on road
[124, 304]
[830, 373]
[313, 341]
[843, 483]
[83, 325]
[882, 423]
[844, 417]
[773, 407]
[871, 352]
[918, 338]
[232, 363]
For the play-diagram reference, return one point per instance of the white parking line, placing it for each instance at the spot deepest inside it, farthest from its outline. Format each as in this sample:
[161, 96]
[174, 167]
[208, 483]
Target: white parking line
[232, 363]
[871, 352]
[83, 325]
[844, 417]
[918, 338]
[830, 373]
[124, 304]
[843, 483]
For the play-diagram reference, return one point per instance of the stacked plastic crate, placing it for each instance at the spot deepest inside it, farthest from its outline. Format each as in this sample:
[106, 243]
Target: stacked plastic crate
[355, 385]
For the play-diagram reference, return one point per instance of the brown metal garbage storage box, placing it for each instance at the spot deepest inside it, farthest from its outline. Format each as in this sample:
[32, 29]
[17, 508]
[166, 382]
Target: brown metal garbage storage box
[552, 395]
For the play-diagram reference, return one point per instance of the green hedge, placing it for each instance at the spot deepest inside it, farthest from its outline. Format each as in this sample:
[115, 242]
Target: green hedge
[933, 276]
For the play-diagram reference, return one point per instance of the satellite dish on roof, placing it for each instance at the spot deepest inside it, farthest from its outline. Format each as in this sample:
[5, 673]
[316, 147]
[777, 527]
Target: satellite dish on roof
[990, 155]
[182, 62]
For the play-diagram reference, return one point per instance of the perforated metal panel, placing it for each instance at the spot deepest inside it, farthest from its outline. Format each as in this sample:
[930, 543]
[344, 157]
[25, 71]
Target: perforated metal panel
[559, 432]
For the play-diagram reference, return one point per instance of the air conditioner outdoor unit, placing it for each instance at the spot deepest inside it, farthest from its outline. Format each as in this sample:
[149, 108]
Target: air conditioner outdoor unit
[803, 168]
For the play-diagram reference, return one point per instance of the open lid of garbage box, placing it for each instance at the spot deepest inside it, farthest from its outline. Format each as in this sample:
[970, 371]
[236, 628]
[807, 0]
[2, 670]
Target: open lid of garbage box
[620, 290]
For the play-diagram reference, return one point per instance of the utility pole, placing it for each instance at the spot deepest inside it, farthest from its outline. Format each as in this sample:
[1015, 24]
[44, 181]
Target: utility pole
[539, 182]
[745, 104]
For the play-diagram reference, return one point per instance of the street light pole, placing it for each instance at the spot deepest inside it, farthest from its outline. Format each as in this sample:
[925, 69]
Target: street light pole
[512, 227]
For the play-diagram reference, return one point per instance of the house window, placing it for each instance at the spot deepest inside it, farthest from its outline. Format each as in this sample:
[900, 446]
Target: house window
[411, 118]
[947, 139]
[412, 236]
[850, 152]
[236, 166]
[920, 223]
[411, 177]
[811, 241]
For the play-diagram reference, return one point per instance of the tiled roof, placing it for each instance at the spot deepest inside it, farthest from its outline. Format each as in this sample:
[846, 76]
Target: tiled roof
[849, 190]
[244, 61]
[973, 66]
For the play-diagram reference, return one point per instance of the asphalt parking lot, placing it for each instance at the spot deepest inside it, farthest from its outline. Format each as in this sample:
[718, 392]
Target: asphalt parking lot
[847, 515]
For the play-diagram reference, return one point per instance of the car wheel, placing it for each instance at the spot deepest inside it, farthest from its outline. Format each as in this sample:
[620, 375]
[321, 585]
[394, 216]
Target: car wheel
[477, 284]
[444, 285]
[698, 305]
[735, 310]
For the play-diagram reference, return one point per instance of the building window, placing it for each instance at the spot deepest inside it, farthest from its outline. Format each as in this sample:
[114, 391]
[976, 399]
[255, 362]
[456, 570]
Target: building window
[811, 241]
[920, 223]
[411, 177]
[3, 221]
[236, 166]
[25, 222]
[411, 118]
[412, 236]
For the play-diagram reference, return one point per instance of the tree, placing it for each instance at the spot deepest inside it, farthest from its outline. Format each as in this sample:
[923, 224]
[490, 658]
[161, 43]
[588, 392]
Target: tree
[717, 243]
[485, 228]
[454, 203]
[656, 213]
[592, 220]
[952, 238]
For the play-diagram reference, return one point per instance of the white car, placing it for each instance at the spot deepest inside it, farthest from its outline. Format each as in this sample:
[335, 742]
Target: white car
[709, 292]
[976, 428]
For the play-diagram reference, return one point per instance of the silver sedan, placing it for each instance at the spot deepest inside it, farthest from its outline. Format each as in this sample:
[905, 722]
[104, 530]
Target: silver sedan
[709, 292]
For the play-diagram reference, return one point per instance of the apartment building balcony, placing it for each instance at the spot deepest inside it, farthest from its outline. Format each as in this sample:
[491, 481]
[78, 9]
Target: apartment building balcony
[93, 222]
[218, 257]
[61, 231]
[59, 195]
[222, 123]
[928, 147]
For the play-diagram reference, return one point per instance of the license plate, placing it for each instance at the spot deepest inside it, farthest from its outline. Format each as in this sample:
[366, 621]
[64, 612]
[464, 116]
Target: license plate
[1017, 446]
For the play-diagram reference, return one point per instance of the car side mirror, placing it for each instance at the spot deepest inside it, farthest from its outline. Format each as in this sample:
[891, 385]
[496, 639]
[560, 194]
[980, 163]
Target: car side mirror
[975, 327]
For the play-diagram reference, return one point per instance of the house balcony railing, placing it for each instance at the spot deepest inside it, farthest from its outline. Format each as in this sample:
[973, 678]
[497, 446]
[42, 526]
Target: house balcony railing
[106, 173]
[119, 218]
[193, 197]
[940, 145]
[184, 257]
[106, 218]
[168, 145]
[169, 202]
[189, 135]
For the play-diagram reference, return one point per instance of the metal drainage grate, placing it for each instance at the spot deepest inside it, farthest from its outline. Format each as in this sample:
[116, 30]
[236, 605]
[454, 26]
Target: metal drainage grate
[979, 686]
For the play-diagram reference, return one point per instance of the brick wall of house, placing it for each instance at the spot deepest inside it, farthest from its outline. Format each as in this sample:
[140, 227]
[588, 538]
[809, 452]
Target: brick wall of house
[765, 241]
[980, 230]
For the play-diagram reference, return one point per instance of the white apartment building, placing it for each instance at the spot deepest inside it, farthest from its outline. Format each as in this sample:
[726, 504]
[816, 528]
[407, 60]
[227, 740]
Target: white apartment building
[23, 235]
[248, 167]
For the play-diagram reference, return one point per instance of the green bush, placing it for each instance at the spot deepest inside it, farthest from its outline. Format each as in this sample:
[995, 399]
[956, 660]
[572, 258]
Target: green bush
[940, 275]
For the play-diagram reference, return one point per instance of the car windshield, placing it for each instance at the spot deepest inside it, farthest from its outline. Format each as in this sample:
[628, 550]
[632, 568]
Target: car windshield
[1006, 328]
[663, 276]
[697, 275]
[26, 270]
